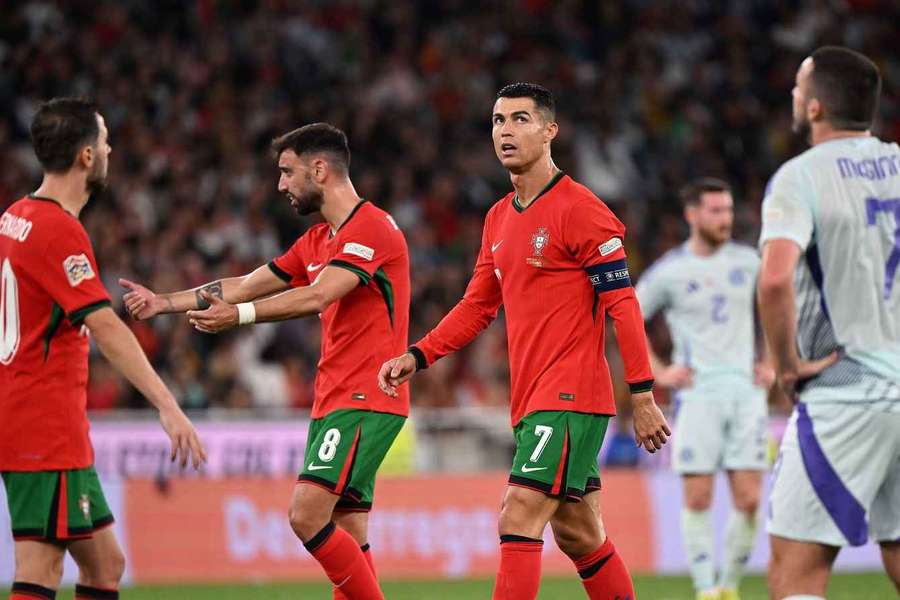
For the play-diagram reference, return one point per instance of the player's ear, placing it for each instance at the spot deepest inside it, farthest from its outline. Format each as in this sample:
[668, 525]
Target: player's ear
[320, 168]
[814, 110]
[86, 156]
[551, 130]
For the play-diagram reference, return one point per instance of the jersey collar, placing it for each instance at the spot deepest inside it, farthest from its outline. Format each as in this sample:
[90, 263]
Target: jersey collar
[333, 232]
[33, 196]
[556, 179]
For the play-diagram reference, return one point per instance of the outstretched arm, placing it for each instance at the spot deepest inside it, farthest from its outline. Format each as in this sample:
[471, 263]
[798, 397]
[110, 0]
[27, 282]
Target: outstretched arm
[142, 303]
[334, 283]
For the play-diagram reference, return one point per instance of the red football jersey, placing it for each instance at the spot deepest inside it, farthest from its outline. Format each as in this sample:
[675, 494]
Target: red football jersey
[50, 283]
[557, 266]
[369, 325]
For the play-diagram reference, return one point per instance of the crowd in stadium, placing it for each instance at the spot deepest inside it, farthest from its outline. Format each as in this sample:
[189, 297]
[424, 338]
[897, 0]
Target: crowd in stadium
[647, 98]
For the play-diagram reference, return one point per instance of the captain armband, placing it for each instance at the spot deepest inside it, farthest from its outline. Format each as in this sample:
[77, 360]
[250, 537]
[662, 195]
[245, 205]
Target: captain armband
[610, 276]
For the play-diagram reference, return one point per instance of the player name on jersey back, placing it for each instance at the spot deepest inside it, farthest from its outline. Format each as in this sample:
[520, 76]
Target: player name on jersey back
[15, 227]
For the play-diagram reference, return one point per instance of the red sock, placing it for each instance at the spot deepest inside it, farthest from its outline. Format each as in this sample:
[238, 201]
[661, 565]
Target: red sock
[519, 577]
[31, 591]
[604, 575]
[338, 594]
[344, 563]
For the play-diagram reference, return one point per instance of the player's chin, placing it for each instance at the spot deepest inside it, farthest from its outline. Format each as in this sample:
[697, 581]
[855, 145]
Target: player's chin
[510, 163]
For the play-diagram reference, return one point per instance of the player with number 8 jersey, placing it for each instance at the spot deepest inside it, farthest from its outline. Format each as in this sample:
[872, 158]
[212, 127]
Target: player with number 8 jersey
[352, 271]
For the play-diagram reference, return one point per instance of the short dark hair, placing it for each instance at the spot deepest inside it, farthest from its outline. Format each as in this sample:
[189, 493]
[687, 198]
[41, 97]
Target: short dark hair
[848, 84]
[543, 98]
[315, 138]
[60, 128]
[692, 193]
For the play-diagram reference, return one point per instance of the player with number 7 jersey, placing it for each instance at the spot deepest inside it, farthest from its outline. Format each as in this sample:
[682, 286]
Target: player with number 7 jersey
[553, 255]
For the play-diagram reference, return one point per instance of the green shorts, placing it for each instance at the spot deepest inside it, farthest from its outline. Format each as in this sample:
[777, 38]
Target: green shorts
[56, 506]
[556, 453]
[343, 453]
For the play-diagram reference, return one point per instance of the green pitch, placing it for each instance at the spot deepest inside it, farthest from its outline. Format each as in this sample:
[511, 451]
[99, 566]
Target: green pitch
[864, 586]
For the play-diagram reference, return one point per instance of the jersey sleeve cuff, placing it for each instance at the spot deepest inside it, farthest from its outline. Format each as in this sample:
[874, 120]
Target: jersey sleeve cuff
[364, 277]
[279, 272]
[641, 386]
[76, 317]
[421, 363]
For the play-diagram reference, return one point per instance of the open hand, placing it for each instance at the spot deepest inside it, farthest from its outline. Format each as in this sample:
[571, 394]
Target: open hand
[186, 444]
[141, 302]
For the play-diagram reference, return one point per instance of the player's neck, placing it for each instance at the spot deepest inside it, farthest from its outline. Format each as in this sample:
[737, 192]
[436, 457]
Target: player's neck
[339, 203]
[701, 247]
[528, 184]
[68, 189]
[824, 132]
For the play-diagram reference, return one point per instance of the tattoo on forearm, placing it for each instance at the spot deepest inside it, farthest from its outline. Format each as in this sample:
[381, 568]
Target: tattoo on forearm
[213, 289]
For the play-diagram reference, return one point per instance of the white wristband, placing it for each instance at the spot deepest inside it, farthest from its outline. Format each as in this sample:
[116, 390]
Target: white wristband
[246, 313]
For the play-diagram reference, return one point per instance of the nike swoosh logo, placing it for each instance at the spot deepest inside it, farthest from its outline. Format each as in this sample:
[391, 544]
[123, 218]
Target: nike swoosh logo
[337, 585]
[527, 469]
[495, 246]
[315, 467]
[314, 267]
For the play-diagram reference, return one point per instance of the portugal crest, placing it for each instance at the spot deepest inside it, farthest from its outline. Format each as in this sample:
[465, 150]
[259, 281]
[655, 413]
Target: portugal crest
[539, 241]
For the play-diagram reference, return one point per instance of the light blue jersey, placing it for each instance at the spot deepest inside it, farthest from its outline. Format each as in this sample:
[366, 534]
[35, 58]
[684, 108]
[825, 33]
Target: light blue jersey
[708, 305]
[840, 202]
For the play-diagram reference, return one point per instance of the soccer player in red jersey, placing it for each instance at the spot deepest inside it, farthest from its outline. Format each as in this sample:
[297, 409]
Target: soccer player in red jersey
[352, 271]
[51, 297]
[552, 255]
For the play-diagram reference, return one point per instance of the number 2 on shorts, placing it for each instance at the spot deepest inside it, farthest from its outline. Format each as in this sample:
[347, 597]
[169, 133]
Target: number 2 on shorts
[544, 432]
[329, 445]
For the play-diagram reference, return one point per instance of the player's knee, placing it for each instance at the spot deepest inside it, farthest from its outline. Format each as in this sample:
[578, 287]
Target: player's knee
[105, 574]
[574, 543]
[698, 500]
[747, 502]
[305, 522]
[45, 569]
[517, 517]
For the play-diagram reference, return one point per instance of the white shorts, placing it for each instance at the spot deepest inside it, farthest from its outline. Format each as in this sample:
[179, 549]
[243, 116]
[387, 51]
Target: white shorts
[721, 423]
[837, 479]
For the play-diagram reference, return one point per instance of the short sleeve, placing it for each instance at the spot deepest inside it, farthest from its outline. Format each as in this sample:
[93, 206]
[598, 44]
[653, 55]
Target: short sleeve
[593, 234]
[67, 270]
[290, 267]
[652, 293]
[787, 210]
[363, 246]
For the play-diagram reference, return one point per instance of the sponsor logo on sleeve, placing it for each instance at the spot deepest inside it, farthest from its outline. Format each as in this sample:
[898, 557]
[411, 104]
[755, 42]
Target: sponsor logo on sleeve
[610, 246]
[359, 250]
[78, 268]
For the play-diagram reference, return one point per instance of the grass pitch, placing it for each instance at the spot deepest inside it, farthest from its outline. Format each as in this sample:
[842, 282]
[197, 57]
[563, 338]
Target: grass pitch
[861, 586]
